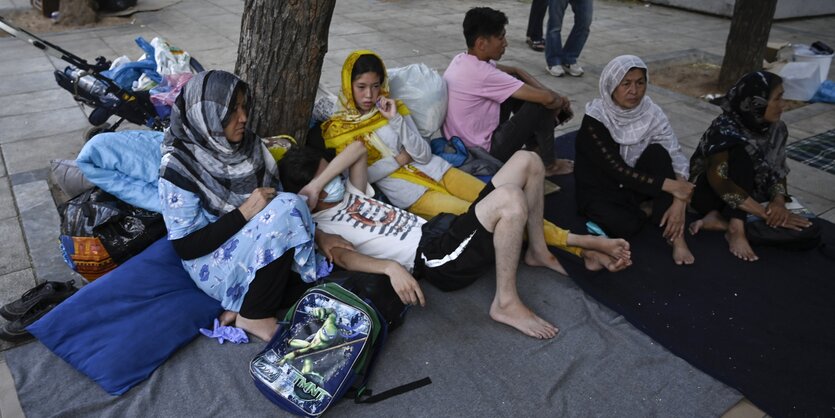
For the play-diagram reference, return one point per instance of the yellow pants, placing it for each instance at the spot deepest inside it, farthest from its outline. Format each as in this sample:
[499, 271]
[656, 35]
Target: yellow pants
[463, 190]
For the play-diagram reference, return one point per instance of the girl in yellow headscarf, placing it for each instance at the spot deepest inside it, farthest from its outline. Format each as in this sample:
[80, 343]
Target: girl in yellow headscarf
[400, 162]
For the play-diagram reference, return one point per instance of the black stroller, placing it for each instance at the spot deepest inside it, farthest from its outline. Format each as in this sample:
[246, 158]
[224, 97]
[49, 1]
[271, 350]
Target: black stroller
[87, 85]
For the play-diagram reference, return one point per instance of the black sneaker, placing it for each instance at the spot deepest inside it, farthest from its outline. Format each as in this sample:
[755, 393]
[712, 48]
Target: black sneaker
[46, 292]
[15, 331]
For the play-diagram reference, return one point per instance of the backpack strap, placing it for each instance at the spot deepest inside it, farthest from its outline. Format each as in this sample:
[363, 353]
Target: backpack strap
[364, 395]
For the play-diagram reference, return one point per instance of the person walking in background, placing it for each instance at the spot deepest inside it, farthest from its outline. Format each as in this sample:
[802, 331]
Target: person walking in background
[562, 59]
[537, 15]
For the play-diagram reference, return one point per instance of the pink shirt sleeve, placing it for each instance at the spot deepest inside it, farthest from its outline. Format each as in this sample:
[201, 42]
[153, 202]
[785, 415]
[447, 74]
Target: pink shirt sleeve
[476, 91]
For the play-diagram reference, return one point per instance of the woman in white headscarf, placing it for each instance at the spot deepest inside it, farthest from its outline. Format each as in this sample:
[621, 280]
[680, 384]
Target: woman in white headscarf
[629, 166]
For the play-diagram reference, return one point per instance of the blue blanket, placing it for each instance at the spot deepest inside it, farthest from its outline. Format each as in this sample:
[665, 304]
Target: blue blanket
[126, 165]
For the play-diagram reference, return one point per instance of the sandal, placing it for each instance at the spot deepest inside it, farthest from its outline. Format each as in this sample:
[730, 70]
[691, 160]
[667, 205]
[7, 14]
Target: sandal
[538, 46]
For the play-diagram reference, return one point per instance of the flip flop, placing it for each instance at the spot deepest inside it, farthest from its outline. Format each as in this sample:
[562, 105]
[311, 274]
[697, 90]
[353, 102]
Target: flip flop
[538, 46]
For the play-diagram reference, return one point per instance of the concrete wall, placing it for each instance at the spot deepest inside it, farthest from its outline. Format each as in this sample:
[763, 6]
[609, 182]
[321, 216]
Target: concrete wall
[786, 9]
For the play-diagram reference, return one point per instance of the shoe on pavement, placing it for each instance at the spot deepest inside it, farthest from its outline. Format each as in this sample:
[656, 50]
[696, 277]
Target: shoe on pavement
[15, 331]
[556, 70]
[574, 70]
[45, 292]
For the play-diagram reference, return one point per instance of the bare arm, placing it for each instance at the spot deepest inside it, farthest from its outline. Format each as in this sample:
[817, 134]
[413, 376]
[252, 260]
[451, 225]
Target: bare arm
[522, 75]
[353, 157]
[404, 284]
[545, 97]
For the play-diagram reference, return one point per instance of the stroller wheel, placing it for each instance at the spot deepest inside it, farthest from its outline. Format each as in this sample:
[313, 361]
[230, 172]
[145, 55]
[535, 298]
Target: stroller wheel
[90, 133]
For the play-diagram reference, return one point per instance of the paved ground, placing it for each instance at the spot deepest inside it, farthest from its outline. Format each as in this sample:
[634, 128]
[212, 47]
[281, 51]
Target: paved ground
[40, 122]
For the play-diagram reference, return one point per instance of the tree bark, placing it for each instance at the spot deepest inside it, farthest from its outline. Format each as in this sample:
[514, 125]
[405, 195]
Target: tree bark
[280, 55]
[747, 39]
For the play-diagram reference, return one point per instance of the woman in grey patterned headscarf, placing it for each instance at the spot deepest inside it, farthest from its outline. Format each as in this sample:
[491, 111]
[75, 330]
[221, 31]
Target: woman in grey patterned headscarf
[242, 240]
[629, 161]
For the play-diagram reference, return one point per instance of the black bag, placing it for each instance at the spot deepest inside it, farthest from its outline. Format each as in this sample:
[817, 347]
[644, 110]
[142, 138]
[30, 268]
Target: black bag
[99, 232]
[759, 233]
[376, 289]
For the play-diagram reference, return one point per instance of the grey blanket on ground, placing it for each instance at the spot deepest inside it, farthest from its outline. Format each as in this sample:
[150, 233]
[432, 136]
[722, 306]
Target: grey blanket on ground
[599, 365]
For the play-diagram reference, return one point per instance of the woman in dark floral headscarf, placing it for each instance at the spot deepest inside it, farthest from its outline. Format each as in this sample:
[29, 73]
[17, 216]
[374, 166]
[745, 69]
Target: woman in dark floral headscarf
[741, 161]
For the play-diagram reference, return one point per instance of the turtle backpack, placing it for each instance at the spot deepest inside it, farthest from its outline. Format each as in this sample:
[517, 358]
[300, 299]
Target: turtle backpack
[323, 351]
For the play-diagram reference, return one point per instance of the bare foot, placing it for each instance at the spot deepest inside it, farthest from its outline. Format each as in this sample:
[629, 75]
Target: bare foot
[613, 247]
[518, 316]
[546, 259]
[227, 317]
[738, 243]
[595, 261]
[681, 253]
[261, 328]
[559, 167]
[713, 221]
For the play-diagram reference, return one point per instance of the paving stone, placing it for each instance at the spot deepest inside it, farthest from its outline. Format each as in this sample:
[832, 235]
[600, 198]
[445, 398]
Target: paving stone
[7, 207]
[27, 82]
[41, 124]
[804, 177]
[14, 285]
[27, 154]
[805, 112]
[39, 101]
[13, 254]
[41, 224]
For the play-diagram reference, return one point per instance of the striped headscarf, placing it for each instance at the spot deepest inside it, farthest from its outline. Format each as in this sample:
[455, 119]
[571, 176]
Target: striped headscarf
[197, 157]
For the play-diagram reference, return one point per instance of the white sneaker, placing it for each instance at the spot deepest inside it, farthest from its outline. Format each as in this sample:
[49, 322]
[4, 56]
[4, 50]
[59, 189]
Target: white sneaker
[574, 70]
[556, 71]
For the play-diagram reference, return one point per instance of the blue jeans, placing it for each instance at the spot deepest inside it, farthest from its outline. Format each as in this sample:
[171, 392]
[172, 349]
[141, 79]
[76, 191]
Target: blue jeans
[555, 52]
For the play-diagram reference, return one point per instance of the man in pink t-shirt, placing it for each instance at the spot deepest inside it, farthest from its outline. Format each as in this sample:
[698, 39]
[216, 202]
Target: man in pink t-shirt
[484, 94]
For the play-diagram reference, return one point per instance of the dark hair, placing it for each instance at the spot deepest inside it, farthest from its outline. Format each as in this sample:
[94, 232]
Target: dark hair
[368, 64]
[298, 167]
[483, 21]
[643, 70]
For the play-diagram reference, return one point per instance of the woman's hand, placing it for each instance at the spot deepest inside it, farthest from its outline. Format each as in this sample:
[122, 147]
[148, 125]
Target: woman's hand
[256, 201]
[327, 242]
[776, 212]
[406, 287]
[673, 220]
[680, 189]
[796, 222]
[387, 107]
[403, 158]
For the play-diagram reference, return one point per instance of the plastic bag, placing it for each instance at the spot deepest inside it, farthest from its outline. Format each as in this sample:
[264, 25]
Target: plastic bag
[825, 93]
[424, 92]
[324, 106]
[800, 80]
[164, 95]
[99, 232]
[170, 59]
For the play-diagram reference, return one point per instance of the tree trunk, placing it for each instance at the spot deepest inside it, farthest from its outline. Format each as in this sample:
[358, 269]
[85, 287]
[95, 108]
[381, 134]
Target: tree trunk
[747, 39]
[280, 55]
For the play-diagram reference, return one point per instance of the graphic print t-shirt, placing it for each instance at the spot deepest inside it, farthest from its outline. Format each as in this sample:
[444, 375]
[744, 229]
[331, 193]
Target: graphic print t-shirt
[374, 228]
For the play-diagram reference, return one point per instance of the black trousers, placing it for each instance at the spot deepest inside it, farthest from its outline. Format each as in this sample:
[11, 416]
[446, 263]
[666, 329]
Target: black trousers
[619, 212]
[275, 286]
[531, 125]
[740, 171]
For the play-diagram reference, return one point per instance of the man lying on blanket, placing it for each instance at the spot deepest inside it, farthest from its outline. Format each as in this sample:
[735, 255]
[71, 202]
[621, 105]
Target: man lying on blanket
[450, 254]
